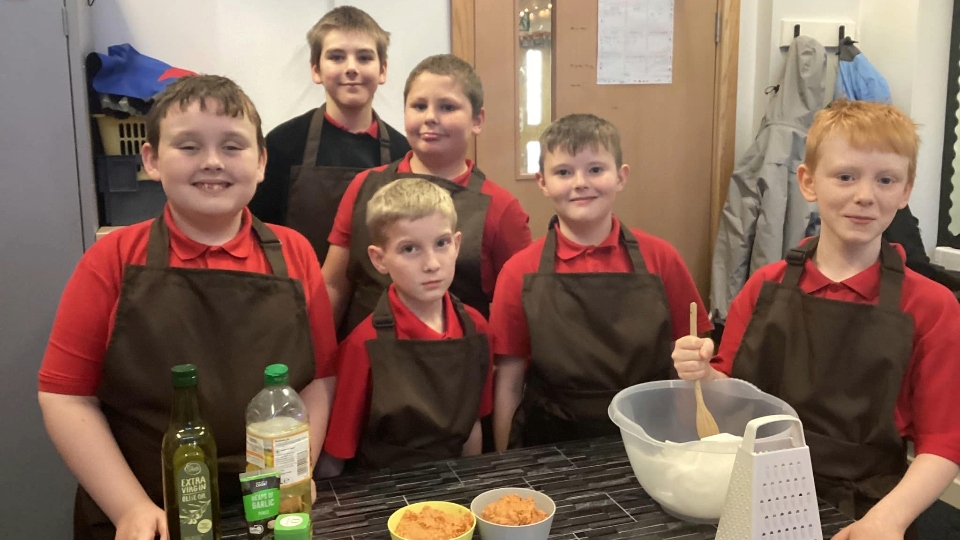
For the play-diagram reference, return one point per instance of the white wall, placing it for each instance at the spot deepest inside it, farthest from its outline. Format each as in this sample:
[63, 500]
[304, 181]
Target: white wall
[264, 48]
[908, 41]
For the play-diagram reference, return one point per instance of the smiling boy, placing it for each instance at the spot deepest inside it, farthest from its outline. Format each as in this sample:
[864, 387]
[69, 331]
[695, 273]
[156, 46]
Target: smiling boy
[588, 310]
[205, 283]
[863, 348]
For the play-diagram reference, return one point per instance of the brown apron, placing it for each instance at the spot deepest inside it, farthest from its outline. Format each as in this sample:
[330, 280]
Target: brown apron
[591, 335]
[840, 365]
[425, 393]
[231, 324]
[315, 190]
[369, 284]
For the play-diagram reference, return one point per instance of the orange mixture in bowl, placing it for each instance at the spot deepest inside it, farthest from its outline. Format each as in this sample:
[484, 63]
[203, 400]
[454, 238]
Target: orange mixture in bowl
[433, 524]
[513, 510]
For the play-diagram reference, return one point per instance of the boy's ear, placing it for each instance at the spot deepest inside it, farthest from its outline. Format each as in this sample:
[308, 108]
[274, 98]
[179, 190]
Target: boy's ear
[622, 175]
[805, 179]
[906, 195]
[478, 120]
[262, 164]
[315, 73]
[383, 73]
[376, 257]
[541, 183]
[148, 154]
[457, 237]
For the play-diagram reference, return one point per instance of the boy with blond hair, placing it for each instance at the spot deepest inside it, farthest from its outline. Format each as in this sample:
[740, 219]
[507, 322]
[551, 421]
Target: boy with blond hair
[313, 157]
[863, 348]
[414, 376]
[588, 310]
[205, 283]
[443, 111]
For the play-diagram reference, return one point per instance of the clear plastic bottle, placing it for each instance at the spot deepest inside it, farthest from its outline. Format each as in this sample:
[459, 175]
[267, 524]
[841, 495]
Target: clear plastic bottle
[278, 435]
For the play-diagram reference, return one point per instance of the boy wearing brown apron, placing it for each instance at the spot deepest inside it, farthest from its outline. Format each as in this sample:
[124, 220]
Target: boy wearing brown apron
[591, 308]
[443, 112]
[313, 157]
[206, 283]
[415, 376]
[863, 348]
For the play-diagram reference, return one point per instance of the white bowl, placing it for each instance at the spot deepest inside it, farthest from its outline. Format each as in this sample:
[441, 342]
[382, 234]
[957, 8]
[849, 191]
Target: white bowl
[494, 531]
[686, 476]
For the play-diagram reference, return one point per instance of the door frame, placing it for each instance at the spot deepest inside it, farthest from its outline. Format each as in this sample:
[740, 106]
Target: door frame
[463, 45]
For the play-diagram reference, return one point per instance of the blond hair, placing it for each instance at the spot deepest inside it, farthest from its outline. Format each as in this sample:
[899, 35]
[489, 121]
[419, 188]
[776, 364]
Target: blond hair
[407, 199]
[219, 93]
[867, 126]
[347, 19]
[458, 70]
[574, 132]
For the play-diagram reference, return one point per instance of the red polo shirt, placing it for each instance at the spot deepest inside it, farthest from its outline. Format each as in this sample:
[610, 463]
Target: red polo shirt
[508, 321]
[506, 228]
[373, 130]
[928, 399]
[81, 330]
[351, 405]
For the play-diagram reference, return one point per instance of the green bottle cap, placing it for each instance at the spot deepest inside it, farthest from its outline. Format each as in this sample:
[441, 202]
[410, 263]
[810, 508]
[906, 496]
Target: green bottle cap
[275, 375]
[184, 375]
[293, 527]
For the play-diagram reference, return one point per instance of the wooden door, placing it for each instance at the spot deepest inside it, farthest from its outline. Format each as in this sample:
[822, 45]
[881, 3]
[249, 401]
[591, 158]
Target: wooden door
[674, 138]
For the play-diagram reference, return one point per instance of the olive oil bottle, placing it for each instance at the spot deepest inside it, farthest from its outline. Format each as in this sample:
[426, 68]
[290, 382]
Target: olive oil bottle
[191, 495]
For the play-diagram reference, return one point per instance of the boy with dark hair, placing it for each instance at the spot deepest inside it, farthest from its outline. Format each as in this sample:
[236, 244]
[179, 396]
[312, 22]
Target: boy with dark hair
[313, 157]
[588, 310]
[443, 111]
[205, 283]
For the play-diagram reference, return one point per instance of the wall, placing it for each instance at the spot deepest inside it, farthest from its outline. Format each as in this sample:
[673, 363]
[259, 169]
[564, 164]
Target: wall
[907, 40]
[264, 48]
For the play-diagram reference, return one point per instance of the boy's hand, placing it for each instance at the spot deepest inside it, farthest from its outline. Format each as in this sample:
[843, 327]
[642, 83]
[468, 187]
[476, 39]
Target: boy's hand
[143, 522]
[691, 357]
[869, 528]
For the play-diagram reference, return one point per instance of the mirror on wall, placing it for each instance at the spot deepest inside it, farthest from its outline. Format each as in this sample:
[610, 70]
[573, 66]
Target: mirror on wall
[948, 231]
[535, 65]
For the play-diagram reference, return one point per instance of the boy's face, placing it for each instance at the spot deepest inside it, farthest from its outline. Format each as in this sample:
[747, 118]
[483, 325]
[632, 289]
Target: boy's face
[858, 191]
[584, 186]
[439, 119]
[419, 256]
[208, 163]
[349, 69]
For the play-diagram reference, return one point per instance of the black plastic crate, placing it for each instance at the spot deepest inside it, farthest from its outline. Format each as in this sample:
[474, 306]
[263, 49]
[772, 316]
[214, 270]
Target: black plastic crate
[126, 200]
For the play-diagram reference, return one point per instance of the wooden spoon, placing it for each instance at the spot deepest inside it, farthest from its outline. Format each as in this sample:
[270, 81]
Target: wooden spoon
[706, 425]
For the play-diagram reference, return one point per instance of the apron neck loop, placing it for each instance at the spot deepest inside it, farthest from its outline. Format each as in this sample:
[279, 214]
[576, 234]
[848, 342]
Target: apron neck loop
[627, 239]
[158, 245]
[475, 182]
[271, 246]
[384, 322]
[891, 277]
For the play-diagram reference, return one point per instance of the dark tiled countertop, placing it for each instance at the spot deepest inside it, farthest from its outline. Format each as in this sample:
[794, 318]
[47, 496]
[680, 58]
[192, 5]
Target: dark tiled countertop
[592, 483]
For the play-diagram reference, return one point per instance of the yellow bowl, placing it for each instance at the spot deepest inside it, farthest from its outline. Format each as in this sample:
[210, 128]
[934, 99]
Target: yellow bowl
[443, 506]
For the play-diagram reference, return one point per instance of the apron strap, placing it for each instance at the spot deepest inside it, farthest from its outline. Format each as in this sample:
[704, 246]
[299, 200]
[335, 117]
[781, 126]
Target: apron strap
[312, 149]
[271, 246]
[384, 322]
[158, 246]
[796, 258]
[384, 139]
[627, 239]
[475, 182]
[891, 277]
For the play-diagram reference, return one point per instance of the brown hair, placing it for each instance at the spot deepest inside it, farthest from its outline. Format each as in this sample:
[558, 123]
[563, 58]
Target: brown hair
[574, 132]
[208, 91]
[457, 69]
[866, 125]
[407, 199]
[347, 19]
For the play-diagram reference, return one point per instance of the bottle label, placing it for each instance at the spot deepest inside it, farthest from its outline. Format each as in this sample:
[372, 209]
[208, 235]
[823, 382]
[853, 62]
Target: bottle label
[194, 501]
[291, 455]
[255, 451]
